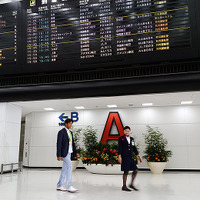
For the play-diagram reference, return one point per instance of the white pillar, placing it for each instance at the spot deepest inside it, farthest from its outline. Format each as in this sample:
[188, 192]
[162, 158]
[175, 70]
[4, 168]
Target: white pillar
[10, 126]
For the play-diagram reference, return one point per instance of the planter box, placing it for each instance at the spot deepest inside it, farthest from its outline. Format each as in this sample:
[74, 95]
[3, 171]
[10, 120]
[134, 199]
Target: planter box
[157, 167]
[103, 169]
[74, 164]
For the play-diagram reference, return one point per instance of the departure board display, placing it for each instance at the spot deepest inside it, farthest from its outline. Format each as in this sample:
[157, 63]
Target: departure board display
[62, 35]
[8, 34]
[85, 29]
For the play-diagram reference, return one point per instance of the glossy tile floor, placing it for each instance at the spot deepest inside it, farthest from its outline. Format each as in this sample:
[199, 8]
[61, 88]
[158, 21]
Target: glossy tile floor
[40, 184]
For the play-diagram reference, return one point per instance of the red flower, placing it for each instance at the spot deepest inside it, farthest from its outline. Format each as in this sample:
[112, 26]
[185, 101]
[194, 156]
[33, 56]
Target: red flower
[122, 139]
[116, 154]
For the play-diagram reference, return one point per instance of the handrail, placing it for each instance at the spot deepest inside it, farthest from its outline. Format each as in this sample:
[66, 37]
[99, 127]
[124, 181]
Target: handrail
[12, 164]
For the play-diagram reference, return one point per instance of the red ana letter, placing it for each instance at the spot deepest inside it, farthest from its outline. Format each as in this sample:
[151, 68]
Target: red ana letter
[112, 117]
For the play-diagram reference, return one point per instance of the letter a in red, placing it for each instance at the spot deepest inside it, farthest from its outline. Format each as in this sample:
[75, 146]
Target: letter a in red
[112, 117]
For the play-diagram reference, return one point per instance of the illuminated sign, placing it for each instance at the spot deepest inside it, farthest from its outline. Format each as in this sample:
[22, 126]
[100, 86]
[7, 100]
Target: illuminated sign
[32, 3]
[8, 34]
[103, 29]
[61, 35]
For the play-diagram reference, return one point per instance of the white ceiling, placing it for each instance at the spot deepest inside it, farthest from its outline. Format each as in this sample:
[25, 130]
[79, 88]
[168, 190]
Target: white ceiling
[168, 99]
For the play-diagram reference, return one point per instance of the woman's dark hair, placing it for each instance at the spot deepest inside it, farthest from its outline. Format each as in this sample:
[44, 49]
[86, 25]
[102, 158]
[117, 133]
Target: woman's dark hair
[127, 127]
[68, 121]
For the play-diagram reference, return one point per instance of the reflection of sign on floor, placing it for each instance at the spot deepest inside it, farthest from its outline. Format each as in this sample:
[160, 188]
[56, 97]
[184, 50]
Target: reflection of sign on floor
[32, 2]
[74, 116]
[113, 117]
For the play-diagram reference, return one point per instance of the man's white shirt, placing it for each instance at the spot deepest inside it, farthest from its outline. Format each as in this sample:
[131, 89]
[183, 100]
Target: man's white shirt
[70, 143]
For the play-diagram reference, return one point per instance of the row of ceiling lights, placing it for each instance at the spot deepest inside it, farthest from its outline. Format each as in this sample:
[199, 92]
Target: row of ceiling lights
[115, 106]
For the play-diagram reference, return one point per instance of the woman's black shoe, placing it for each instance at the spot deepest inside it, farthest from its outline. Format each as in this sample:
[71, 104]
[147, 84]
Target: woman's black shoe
[124, 188]
[131, 186]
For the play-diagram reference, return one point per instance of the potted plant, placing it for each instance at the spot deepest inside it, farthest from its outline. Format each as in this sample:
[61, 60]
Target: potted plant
[156, 152]
[103, 159]
[98, 157]
[75, 160]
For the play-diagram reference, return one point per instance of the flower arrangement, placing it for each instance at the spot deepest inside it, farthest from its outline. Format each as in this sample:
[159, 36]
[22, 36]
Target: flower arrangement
[156, 145]
[102, 154]
[110, 155]
[156, 158]
[98, 153]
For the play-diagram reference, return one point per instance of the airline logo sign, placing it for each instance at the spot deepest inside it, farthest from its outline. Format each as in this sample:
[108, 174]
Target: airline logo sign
[113, 117]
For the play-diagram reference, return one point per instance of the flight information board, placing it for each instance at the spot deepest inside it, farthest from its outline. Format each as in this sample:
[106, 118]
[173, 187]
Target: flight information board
[61, 35]
[85, 29]
[8, 34]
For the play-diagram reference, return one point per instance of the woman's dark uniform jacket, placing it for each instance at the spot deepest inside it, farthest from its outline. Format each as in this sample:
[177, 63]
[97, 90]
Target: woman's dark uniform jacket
[63, 144]
[126, 151]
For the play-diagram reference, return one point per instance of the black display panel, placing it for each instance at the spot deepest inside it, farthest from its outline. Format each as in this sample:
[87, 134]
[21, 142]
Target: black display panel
[62, 35]
[8, 34]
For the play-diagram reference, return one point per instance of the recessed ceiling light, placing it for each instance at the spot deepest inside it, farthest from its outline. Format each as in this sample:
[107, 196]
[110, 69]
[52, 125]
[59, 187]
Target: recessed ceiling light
[186, 102]
[147, 104]
[112, 106]
[79, 107]
[48, 109]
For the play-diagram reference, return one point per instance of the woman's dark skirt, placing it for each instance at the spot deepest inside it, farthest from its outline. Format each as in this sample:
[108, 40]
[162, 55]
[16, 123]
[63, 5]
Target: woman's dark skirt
[128, 164]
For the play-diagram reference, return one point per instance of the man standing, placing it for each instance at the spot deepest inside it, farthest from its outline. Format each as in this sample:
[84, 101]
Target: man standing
[65, 148]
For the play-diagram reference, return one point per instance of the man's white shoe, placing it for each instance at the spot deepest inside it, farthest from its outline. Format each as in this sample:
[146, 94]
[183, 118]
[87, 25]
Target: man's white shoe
[61, 189]
[72, 189]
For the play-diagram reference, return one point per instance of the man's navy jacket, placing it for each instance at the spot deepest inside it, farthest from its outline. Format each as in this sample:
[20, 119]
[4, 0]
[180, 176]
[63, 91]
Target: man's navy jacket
[63, 143]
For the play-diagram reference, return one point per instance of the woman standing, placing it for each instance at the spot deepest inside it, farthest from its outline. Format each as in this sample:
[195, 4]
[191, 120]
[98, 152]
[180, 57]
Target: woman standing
[126, 148]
